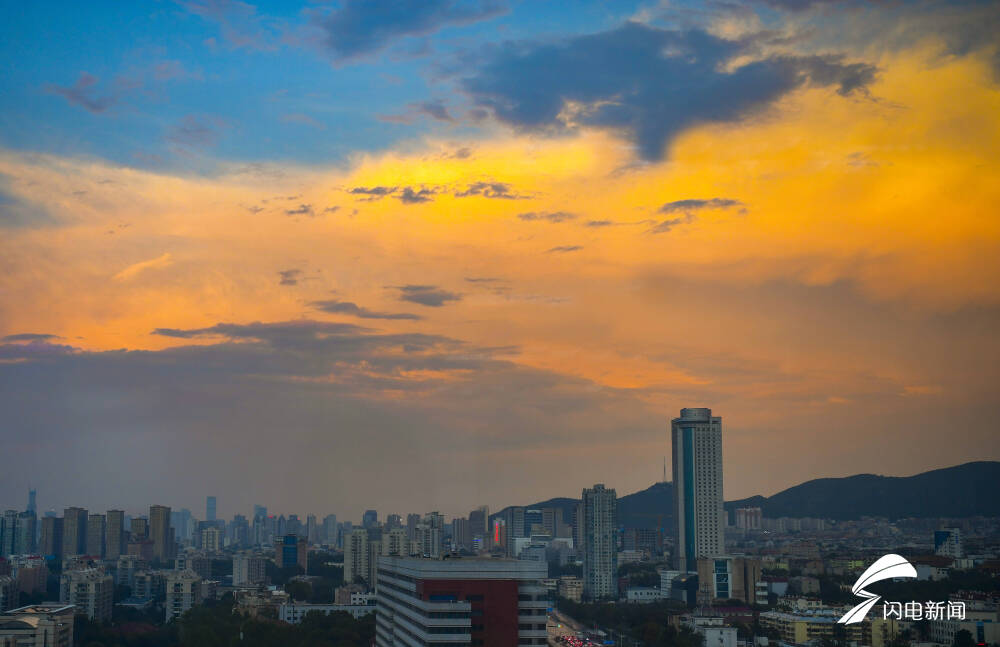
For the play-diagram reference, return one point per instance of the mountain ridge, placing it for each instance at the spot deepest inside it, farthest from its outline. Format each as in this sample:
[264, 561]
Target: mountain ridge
[964, 490]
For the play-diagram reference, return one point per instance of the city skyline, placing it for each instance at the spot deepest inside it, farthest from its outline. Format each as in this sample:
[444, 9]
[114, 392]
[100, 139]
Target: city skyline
[481, 252]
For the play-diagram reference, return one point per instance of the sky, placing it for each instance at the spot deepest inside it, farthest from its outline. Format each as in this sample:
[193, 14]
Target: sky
[428, 255]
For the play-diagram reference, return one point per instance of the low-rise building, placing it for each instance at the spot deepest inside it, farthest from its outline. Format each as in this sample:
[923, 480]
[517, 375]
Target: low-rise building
[39, 625]
[294, 612]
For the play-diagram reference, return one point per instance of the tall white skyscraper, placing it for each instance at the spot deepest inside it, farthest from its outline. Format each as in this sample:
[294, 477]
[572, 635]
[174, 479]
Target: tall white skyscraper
[696, 438]
[600, 555]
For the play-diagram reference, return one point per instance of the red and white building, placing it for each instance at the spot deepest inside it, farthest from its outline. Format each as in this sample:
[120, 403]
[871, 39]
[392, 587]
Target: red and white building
[458, 602]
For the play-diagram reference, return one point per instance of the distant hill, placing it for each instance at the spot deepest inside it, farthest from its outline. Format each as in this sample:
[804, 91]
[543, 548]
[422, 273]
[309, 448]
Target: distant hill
[964, 490]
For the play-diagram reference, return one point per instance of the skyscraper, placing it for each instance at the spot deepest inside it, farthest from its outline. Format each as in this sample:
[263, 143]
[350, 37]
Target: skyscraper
[96, 535]
[600, 556]
[210, 508]
[115, 534]
[32, 505]
[74, 532]
[370, 519]
[160, 532]
[52, 536]
[696, 439]
[356, 555]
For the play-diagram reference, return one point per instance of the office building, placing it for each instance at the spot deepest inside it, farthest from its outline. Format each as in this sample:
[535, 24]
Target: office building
[39, 625]
[462, 601]
[479, 523]
[139, 528]
[696, 441]
[291, 550]
[370, 519]
[393, 521]
[96, 537]
[210, 508]
[161, 533]
[51, 537]
[249, 570]
[74, 532]
[726, 577]
[430, 535]
[90, 590]
[600, 563]
[183, 591]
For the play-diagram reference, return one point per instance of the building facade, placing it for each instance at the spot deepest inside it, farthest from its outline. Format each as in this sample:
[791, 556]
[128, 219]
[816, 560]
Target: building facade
[459, 601]
[40, 625]
[696, 441]
[90, 590]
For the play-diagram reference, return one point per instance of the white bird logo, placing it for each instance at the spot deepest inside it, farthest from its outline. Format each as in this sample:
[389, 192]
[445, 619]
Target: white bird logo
[887, 566]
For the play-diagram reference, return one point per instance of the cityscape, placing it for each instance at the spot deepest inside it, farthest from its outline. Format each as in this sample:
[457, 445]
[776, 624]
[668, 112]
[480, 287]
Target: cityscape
[555, 573]
[500, 323]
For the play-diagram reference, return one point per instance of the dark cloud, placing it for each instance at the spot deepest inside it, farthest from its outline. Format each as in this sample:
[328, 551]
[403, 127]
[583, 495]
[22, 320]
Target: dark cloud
[346, 307]
[598, 223]
[29, 336]
[483, 279]
[664, 226]
[689, 205]
[358, 28]
[333, 209]
[373, 192]
[426, 295]
[562, 249]
[494, 190]
[435, 109]
[34, 349]
[646, 82]
[301, 210]
[195, 131]
[548, 216]
[83, 93]
[277, 332]
[289, 277]
[411, 196]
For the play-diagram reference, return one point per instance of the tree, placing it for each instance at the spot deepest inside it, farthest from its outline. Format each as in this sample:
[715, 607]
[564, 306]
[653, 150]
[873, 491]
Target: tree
[963, 638]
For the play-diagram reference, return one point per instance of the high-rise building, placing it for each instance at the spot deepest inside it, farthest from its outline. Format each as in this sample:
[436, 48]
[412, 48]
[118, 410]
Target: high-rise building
[17, 533]
[96, 535]
[10, 593]
[479, 524]
[356, 554]
[91, 590]
[212, 539]
[139, 528]
[115, 530]
[370, 519]
[260, 510]
[749, 518]
[393, 521]
[430, 535]
[290, 550]
[32, 505]
[488, 602]
[249, 570]
[395, 542]
[161, 533]
[948, 543]
[412, 520]
[312, 529]
[696, 440]
[39, 625]
[74, 532]
[52, 536]
[330, 529]
[183, 591]
[460, 535]
[600, 564]
[724, 577]
[210, 508]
